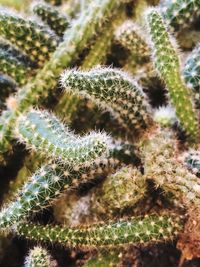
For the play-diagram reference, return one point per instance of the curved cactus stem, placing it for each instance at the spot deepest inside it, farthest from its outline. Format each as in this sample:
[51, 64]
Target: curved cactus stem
[113, 90]
[47, 184]
[137, 230]
[167, 64]
[57, 21]
[43, 132]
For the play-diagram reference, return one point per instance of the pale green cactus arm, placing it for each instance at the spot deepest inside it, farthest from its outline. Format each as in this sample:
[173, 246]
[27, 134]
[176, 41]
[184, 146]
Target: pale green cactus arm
[76, 38]
[38, 257]
[137, 230]
[43, 132]
[113, 90]
[167, 63]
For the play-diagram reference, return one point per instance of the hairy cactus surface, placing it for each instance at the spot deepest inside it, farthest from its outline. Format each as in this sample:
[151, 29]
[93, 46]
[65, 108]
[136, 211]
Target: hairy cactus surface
[99, 133]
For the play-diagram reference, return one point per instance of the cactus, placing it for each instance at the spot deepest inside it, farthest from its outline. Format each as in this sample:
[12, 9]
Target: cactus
[45, 133]
[130, 36]
[67, 51]
[168, 66]
[12, 67]
[136, 230]
[115, 193]
[112, 90]
[147, 164]
[38, 257]
[32, 38]
[161, 165]
[52, 17]
[191, 74]
[48, 182]
[180, 13]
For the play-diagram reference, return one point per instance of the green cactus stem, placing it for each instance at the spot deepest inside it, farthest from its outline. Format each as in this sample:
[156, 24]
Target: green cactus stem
[179, 13]
[28, 36]
[113, 90]
[14, 68]
[48, 183]
[137, 230]
[115, 195]
[75, 40]
[167, 64]
[44, 133]
[38, 257]
[191, 74]
[161, 165]
[57, 21]
[130, 35]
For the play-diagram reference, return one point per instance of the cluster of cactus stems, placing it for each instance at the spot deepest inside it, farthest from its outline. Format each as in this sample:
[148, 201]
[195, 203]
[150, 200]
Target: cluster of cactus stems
[62, 56]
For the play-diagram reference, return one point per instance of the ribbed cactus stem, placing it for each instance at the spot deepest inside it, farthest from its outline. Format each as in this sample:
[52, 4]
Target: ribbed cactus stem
[47, 183]
[113, 90]
[137, 230]
[75, 40]
[179, 13]
[130, 35]
[167, 63]
[43, 132]
[14, 68]
[191, 74]
[161, 165]
[57, 21]
[38, 257]
[28, 36]
[115, 194]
